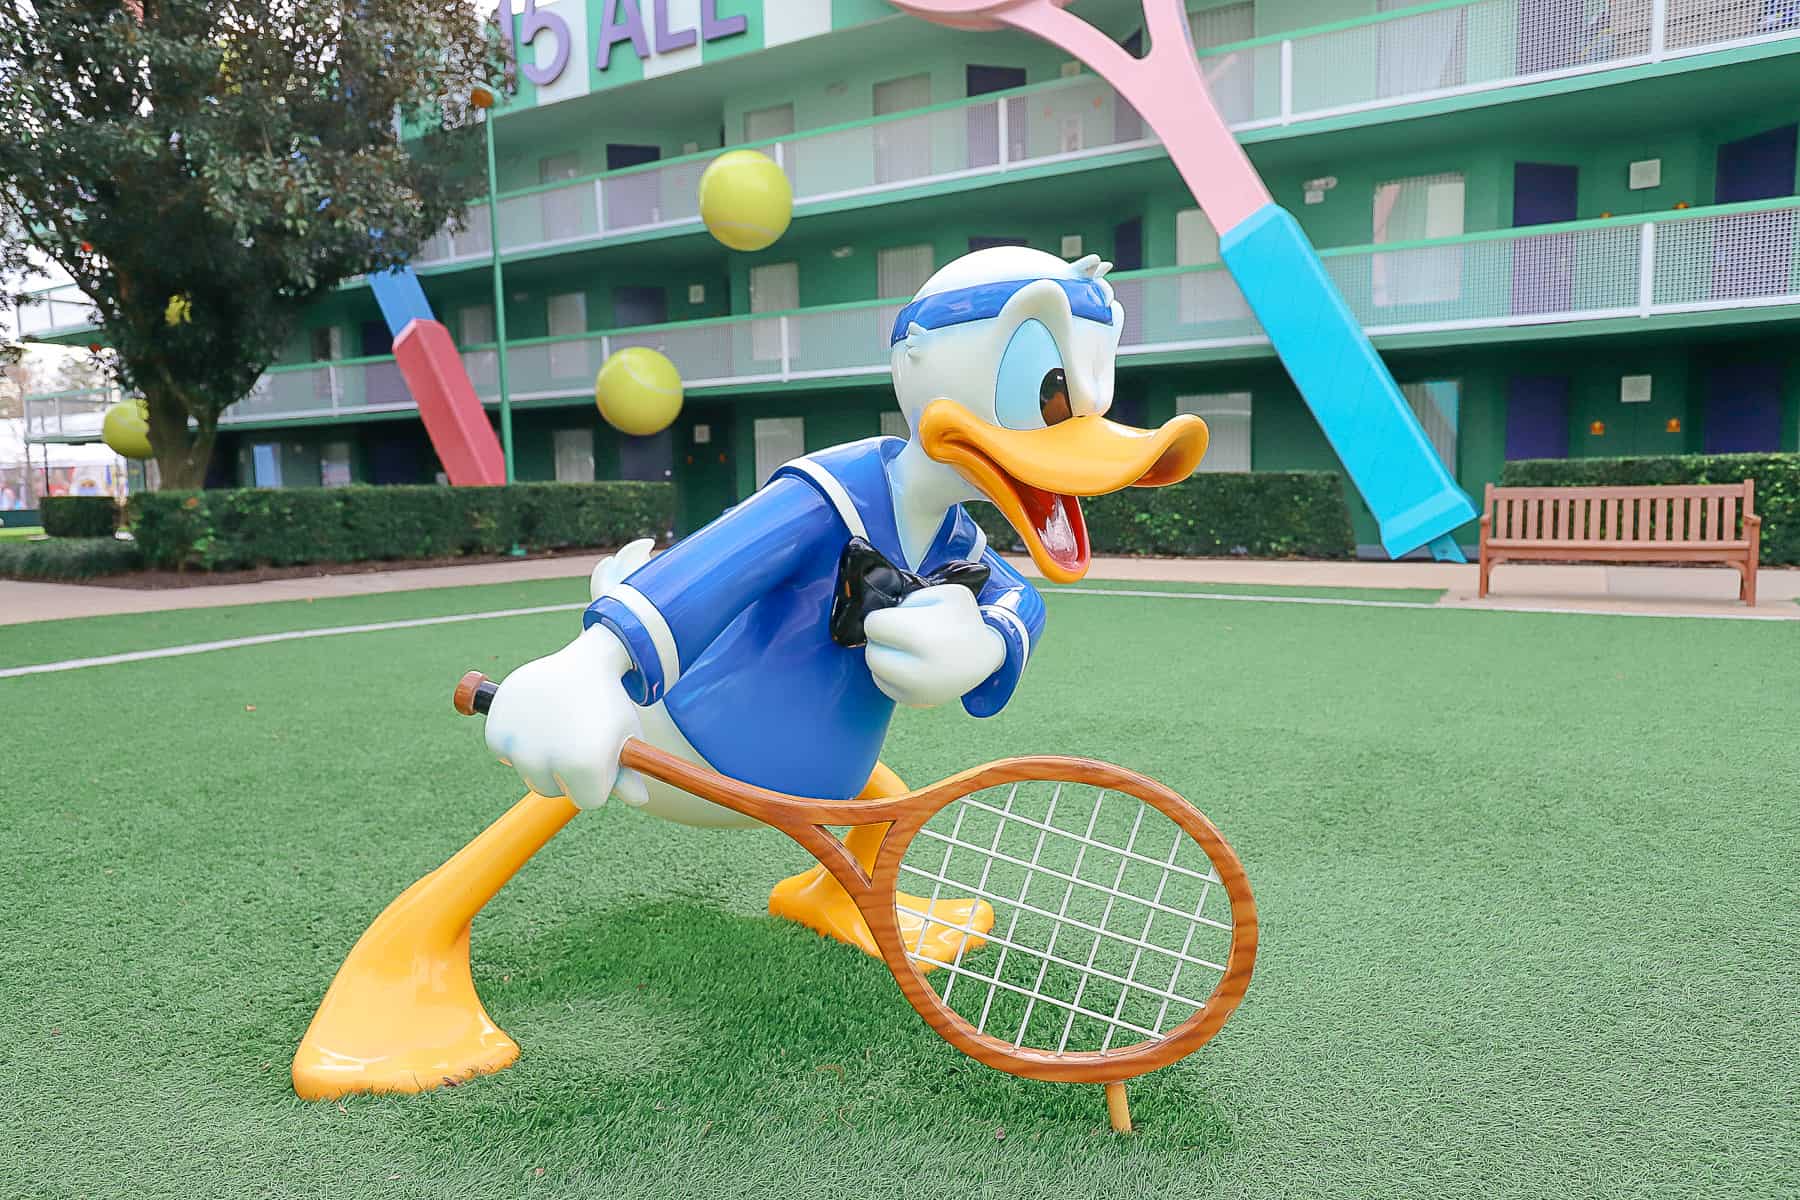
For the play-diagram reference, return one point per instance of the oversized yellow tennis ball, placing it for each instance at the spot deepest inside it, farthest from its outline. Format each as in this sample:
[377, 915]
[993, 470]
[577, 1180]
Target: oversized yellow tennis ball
[638, 391]
[126, 429]
[746, 200]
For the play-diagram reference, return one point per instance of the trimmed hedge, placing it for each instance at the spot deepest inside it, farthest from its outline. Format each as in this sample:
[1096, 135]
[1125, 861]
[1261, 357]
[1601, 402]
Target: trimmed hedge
[80, 516]
[67, 558]
[1256, 514]
[248, 527]
[1777, 485]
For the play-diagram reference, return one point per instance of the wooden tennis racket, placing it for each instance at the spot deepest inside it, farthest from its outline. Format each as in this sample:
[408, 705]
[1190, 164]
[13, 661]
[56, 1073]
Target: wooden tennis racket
[1112, 930]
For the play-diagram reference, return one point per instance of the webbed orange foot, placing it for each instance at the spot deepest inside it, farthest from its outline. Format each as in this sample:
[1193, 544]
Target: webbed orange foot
[937, 931]
[402, 1014]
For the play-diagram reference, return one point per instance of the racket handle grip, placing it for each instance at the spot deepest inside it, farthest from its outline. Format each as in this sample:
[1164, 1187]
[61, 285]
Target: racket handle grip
[474, 694]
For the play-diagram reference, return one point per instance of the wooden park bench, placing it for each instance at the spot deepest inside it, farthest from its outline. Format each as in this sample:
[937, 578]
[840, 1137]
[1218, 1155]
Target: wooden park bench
[1700, 523]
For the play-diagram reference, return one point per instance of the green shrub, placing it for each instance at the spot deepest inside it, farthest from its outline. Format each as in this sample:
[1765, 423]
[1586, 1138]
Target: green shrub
[67, 558]
[247, 527]
[1260, 514]
[1777, 485]
[80, 516]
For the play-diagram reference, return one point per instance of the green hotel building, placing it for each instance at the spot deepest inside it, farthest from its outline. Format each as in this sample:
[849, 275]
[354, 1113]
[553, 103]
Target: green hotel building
[1572, 228]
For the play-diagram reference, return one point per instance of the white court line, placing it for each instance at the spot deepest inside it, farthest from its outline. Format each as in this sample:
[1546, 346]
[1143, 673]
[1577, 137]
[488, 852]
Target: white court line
[262, 639]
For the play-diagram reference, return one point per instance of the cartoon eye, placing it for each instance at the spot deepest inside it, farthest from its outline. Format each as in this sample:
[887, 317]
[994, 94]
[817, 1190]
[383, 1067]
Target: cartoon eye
[1032, 390]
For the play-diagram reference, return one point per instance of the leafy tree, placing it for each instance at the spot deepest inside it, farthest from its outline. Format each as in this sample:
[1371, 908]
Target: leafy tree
[206, 169]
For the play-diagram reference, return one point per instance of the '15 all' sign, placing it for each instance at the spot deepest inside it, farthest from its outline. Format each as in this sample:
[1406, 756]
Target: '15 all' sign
[620, 21]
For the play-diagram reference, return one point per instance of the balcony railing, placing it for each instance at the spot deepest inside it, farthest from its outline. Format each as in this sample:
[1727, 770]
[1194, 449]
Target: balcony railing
[1441, 52]
[55, 310]
[68, 416]
[1701, 260]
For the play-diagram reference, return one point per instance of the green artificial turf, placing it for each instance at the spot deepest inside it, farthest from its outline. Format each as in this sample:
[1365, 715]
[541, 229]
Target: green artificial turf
[1526, 886]
[10, 533]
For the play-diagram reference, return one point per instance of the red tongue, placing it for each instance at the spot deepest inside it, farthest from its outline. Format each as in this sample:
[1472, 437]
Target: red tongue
[1060, 527]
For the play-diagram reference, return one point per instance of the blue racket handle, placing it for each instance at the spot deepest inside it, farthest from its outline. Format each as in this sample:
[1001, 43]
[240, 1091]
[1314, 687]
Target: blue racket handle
[1368, 422]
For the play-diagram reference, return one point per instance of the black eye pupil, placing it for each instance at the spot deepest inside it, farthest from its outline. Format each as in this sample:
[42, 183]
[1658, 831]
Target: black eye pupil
[1053, 397]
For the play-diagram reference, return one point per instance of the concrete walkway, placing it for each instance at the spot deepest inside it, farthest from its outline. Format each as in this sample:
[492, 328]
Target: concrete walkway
[1697, 591]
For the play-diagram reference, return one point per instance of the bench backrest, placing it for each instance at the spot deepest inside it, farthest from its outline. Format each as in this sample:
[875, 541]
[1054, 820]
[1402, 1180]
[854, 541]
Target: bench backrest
[1687, 514]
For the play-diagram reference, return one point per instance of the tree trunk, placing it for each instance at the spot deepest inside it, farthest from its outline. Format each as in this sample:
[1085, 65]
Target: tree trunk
[182, 454]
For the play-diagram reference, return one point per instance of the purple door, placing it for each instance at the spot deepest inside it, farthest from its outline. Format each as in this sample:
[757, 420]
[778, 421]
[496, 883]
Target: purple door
[1537, 417]
[632, 200]
[1543, 266]
[639, 306]
[1127, 125]
[1753, 253]
[1743, 409]
[984, 120]
[1128, 255]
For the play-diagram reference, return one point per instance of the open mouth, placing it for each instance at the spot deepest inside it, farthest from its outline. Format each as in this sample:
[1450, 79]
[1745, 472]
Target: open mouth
[1035, 476]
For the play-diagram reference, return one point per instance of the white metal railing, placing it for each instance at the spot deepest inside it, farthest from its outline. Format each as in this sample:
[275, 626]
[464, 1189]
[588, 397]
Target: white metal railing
[54, 310]
[68, 416]
[1700, 261]
[1405, 59]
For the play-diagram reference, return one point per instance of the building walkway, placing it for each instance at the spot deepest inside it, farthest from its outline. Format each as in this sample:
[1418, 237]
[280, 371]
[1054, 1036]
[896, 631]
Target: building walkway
[1684, 591]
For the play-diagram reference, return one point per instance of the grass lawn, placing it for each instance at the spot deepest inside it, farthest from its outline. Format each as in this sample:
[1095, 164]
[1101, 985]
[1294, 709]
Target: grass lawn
[1527, 886]
[9, 533]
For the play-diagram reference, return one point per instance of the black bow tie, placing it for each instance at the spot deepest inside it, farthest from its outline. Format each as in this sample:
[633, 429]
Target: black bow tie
[867, 582]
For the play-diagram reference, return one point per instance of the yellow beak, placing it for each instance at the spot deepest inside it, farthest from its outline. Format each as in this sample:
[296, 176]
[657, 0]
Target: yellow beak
[1035, 475]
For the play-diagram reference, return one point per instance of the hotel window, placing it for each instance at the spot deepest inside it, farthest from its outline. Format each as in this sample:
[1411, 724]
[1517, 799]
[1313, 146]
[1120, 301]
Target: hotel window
[556, 167]
[563, 208]
[1437, 404]
[902, 148]
[334, 464]
[574, 449]
[903, 270]
[766, 123]
[1227, 417]
[326, 343]
[475, 325]
[265, 464]
[1413, 209]
[1231, 77]
[774, 287]
[900, 271]
[1196, 245]
[779, 440]
[568, 318]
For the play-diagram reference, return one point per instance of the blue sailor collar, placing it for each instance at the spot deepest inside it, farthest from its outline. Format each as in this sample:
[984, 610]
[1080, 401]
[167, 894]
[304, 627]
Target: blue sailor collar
[853, 478]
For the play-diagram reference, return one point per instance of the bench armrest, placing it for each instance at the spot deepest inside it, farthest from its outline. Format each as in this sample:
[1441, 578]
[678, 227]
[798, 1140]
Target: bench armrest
[1486, 521]
[1752, 521]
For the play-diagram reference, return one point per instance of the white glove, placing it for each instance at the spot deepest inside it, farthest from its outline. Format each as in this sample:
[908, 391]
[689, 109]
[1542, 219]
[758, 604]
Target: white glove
[614, 568]
[933, 647]
[561, 721]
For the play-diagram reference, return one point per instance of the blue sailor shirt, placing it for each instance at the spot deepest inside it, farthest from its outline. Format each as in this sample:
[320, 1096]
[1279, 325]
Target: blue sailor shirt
[729, 627]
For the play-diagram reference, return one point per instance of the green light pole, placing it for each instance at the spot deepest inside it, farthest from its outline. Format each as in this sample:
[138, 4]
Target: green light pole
[483, 98]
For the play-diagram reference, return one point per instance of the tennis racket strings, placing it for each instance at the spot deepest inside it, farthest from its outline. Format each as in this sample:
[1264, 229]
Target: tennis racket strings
[1110, 924]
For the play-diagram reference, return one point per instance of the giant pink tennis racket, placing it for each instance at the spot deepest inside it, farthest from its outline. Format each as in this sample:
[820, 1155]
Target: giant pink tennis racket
[1367, 420]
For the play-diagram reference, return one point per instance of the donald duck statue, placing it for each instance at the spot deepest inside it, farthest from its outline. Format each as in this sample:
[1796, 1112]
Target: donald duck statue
[773, 644]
